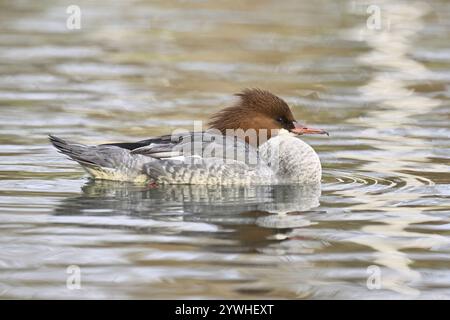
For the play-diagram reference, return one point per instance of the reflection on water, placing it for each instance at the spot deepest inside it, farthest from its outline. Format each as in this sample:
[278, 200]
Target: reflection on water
[271, 207]
[398, 106]
[141, 68]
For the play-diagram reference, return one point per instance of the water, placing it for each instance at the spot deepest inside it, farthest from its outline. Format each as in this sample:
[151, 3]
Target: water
[142, 68]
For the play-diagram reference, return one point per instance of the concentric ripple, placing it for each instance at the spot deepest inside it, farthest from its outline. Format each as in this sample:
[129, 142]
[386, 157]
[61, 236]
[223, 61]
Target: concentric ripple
[369, 183]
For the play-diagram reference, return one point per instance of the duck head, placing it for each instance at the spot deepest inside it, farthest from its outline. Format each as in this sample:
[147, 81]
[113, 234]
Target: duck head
[259, 111]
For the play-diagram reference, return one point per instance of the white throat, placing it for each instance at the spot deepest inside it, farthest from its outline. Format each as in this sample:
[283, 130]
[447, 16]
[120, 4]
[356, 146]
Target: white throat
[291, 159]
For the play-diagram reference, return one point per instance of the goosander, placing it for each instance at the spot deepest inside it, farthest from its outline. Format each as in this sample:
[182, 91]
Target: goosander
[253, 141]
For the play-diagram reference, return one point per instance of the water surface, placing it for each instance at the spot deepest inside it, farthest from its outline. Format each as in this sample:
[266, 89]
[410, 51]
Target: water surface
[142, 68]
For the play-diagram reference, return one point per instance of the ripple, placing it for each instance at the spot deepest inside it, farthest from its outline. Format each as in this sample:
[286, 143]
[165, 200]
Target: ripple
[339, 180]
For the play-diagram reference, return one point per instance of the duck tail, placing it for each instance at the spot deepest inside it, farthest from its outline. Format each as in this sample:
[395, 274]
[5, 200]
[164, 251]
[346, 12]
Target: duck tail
[76, 151]
[107, 162]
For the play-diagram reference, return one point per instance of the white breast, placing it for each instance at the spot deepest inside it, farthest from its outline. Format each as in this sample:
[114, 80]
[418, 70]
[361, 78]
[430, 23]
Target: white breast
[291, 159]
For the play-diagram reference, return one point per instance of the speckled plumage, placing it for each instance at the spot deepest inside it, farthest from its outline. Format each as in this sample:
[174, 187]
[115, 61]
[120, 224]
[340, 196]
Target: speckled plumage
[208, 171]
[282, 159]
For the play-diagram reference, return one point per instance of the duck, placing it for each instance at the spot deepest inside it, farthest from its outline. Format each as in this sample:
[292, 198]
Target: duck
[255, 140]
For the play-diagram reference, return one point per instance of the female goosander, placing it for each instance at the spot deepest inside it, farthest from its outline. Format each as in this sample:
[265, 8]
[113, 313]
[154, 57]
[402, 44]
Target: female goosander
[253, 141]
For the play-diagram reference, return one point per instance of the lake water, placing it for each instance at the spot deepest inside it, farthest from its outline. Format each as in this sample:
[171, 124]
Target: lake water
[379, 226]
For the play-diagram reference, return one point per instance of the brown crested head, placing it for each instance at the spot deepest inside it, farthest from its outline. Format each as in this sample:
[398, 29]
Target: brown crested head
[258, 110]
[255, 109]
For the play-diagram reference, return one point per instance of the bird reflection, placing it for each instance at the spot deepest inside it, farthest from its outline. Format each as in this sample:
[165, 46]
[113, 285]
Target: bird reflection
[254, 214]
